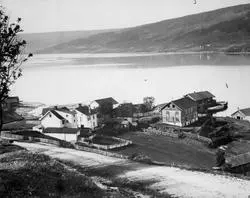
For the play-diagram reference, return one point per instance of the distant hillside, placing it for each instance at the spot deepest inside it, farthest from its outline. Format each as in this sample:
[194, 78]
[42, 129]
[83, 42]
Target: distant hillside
[40, 41]
[226, 29]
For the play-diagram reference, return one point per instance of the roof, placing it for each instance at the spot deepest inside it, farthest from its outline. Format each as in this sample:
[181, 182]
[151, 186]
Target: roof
[246, 111]
[160, 106]
[85, 110]
[196, 96]
[62, 109]
[45, 110]
[239, 160]
[106, 100]
[55, 113]
[183, 103]
[61, 130]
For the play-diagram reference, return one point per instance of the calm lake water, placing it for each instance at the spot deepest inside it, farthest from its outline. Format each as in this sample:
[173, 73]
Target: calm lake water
[73, 78]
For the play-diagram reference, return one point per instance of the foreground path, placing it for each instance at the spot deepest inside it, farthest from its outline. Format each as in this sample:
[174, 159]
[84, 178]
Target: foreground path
[181, 183]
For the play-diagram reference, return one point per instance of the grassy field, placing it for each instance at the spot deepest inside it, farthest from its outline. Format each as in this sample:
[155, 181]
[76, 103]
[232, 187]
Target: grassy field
[184, 153]
[21, 124]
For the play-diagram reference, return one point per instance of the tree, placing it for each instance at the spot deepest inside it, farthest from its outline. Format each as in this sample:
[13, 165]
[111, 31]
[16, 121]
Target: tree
[149, 102]
[12, 56]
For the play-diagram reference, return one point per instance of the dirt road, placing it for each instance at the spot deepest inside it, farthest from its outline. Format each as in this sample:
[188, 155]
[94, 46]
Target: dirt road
[177, 182]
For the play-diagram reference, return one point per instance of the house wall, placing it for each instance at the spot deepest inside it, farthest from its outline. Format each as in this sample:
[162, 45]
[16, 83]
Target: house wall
[72, 121]
[238, 115]
[171, 115]
[87, 121]
[204, 104]
[50, 120]
[63, 136]
[174, 116]
[189, 116]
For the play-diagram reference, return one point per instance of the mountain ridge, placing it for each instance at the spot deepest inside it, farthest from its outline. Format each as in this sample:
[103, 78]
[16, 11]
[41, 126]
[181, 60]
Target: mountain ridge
[222, 30]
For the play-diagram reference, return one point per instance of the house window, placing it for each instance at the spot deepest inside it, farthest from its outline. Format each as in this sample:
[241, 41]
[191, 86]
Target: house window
[177, 116]
[50, 115]
[167, 115]
[88, 118]
[67, 115]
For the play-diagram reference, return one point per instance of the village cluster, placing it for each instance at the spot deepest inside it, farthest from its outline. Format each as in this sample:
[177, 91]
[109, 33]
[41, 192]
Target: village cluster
[87, 125]
[64, 123]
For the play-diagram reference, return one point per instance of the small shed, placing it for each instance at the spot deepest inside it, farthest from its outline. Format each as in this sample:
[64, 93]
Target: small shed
[242, 114]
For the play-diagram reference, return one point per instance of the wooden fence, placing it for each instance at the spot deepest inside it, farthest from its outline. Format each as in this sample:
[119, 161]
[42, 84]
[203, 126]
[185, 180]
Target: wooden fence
[11, 136]
[122, 143]
[97, 151]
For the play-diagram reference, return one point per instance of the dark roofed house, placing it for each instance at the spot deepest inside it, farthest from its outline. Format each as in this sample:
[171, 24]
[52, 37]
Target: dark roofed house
[242, 114]
[197, 96]
[204, 100]
[84, 109]
[104, 108]
[106, 100]
[181, 112]
[102, 102]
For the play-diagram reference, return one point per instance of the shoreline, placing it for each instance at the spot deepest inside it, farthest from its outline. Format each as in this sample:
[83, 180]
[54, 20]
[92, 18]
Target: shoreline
[141, 53]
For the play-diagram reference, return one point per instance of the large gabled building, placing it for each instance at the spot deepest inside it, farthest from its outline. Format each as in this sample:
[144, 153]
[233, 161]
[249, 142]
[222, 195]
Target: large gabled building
[181, 112]
[203, 99]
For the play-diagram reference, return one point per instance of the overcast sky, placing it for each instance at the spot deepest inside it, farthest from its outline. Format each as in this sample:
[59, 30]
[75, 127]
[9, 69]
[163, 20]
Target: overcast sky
[60, 15]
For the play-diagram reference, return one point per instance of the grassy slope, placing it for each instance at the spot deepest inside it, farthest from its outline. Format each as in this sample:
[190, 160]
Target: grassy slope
[170, 151]
[23, 174]
[39, 41]
[224, 29]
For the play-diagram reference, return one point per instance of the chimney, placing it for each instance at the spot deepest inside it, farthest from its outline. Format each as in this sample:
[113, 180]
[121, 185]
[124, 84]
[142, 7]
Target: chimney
[79, 104]
[89, 109]
[55, 107]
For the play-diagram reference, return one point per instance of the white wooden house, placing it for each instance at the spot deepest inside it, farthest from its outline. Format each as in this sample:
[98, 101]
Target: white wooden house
[86, 117]
[242, 114]
[181, 112]
[58, 118]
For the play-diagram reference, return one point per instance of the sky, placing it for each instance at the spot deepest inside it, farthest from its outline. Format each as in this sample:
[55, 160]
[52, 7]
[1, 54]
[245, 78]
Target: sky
[67, 15]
